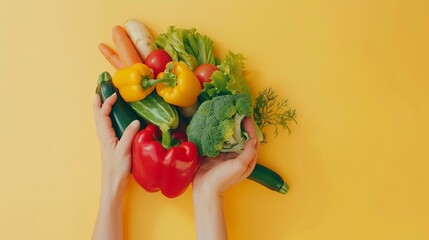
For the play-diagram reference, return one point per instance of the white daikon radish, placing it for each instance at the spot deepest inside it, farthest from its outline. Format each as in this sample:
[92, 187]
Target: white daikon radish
[140, 36]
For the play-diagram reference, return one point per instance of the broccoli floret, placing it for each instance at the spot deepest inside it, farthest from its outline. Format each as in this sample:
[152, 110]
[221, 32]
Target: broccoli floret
[216, 126]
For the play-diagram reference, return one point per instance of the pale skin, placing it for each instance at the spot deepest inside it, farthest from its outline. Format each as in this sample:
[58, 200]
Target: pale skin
[210, 182]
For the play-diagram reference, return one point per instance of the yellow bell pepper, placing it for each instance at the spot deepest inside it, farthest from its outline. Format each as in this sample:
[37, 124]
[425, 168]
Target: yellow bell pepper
[177, 85]
[130, 81]
[186, 90]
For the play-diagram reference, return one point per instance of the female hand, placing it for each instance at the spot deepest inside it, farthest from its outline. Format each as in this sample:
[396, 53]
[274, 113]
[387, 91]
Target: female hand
[115, 155]
[219, 173]
[213, 178]
[115, 168]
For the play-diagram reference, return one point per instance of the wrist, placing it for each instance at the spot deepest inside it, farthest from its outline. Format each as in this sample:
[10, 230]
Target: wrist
[206, 197]
[109, 219]
[112, 191]
[209, 216]
[205, 189]
[111, 201]
[206, 201]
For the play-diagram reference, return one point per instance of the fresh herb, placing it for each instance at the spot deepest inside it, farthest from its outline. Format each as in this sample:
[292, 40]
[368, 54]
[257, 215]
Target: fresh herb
[269, 110]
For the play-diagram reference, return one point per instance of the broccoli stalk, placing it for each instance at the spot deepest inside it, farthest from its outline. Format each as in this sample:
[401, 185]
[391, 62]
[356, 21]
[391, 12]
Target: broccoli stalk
[238, 139]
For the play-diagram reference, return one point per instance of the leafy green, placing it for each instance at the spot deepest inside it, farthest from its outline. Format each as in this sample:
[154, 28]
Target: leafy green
[228, 80]
[268, 109]
[186, 45]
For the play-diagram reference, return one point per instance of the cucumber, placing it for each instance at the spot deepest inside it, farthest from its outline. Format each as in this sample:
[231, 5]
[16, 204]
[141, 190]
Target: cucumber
[155, 110]
[121, 114]
[269, 179]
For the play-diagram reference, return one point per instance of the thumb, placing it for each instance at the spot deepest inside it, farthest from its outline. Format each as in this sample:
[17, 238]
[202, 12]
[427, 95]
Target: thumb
[240, 164]
[126, 141]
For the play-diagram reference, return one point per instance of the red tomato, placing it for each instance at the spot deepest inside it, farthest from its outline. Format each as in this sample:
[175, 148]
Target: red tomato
[204, 71]
[157, 60]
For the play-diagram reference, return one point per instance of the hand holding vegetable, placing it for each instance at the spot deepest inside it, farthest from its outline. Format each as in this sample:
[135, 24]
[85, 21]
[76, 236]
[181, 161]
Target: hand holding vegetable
[213, 178]
[115, 168]
[209, 92]
[121, 114]
[219, 173]
[115, 154]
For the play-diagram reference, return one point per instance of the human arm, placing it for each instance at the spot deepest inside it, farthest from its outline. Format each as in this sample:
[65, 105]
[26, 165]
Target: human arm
[213, 178]
[115, 167]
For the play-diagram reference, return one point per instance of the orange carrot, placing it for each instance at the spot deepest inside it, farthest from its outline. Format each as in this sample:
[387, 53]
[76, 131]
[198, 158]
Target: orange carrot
[125, 47]
[110, 55]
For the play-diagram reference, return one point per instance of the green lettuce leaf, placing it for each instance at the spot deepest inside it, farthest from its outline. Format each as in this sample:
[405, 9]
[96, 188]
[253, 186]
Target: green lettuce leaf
[186, 45]
[228, 80]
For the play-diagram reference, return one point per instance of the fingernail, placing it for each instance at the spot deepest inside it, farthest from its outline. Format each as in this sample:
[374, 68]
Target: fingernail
[254, 141]
[135, 123]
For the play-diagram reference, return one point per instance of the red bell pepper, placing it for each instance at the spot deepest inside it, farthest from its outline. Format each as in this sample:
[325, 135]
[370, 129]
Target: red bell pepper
[161, 167]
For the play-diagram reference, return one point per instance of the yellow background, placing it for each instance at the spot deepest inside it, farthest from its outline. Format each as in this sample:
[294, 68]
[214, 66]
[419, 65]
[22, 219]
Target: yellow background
[356, 71]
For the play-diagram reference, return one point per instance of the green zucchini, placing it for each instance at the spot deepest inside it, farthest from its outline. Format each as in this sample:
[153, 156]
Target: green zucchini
[155, 110]
[269, 179]
[121, 114]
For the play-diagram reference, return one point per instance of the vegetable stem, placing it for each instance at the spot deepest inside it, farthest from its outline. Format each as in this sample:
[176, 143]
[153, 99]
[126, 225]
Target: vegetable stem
[147, 83]
[284, 189]
[104, 77]
[166, 136]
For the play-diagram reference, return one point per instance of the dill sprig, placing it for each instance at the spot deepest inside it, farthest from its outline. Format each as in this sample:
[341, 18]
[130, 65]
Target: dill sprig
[269, 110]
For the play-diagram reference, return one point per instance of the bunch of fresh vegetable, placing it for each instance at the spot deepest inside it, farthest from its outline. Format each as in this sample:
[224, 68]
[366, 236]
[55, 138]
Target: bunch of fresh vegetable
[176, 80]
